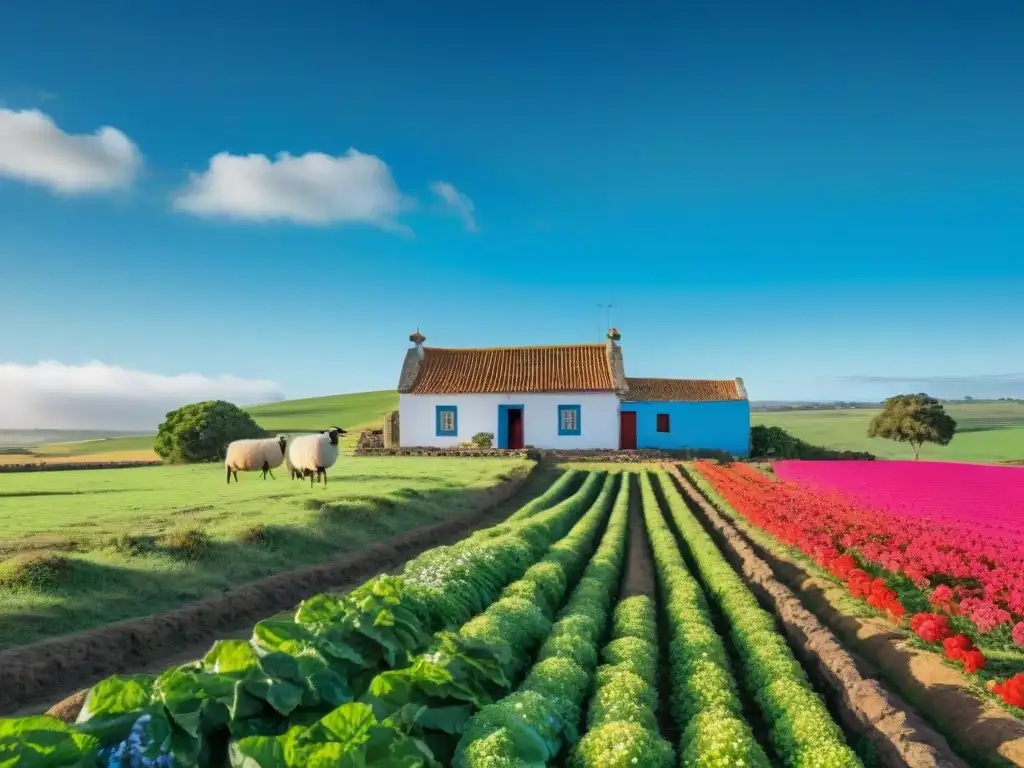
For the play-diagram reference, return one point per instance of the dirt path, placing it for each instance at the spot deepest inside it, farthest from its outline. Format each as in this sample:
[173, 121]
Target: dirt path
[35, 676]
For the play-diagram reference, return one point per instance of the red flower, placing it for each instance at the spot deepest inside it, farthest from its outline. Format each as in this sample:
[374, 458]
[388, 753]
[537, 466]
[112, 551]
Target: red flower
[956, 646]
[930, 627]
[1011, 691]
[973, 661]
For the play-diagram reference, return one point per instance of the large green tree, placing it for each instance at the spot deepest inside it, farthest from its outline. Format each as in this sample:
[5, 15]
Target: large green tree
[915, 419]
[202, 431]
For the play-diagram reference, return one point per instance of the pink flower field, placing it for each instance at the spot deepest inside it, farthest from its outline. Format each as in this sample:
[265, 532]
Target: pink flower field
[937, 523]
[972, 497]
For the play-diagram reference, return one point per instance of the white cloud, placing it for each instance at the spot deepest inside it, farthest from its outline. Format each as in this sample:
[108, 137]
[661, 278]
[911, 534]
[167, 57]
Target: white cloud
[34, 150]
[457, 201]
[52, 395]
[313, 188]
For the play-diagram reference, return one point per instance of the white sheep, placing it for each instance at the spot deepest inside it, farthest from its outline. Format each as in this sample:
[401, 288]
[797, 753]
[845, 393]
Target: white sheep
[311, 455]
[250, 455]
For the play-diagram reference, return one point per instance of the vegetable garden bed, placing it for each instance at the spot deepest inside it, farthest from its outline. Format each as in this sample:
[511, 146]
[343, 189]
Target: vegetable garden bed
[531, 643]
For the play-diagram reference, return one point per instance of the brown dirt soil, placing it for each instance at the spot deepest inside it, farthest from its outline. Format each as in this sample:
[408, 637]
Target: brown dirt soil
[638, 575]
[33, 676]
[898, 735]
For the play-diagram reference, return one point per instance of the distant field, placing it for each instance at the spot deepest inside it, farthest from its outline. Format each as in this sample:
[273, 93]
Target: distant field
[987, 432]
[351, 412]
[79, 549]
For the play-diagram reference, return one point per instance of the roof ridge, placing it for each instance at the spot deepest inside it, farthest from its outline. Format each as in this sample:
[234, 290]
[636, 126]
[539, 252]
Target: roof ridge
[530, 346]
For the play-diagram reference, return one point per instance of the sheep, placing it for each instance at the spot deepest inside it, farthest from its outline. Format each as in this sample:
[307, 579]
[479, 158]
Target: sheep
[311, 455]
[296, 474]
[249, 455]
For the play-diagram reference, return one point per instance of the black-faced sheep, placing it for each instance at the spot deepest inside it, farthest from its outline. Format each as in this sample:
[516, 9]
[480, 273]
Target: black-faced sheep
[251, 455]
[312, 455]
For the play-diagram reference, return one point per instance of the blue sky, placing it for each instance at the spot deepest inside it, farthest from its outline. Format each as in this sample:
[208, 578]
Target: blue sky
[826, 201]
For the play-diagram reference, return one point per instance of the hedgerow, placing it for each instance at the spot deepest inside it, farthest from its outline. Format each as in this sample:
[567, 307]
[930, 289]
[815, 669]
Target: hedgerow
[536, 723]
[286, 696]
[801, 728]
[705, 700]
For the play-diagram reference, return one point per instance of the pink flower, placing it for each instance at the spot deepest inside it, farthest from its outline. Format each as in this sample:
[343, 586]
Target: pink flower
[1018, 633]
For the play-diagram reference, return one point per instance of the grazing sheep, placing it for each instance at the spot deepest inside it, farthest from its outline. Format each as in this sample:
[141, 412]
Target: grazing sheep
[311, 455]
[250, 455]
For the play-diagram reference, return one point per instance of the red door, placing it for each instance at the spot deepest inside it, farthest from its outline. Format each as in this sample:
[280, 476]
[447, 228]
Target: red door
[627, 430]
[515, 428]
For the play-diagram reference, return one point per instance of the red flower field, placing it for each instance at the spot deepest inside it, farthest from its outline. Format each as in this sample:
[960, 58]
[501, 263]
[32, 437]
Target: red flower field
[939, 544]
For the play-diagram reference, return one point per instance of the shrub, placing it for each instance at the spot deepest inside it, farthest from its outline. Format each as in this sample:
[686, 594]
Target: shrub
[482, 439]
[201, 431]
[190, 543]
[134, 545]
[777, 443]
[35, 570]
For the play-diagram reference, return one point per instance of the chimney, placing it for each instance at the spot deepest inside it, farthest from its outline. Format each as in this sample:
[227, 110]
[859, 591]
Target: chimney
[418, 338]
[615, 362]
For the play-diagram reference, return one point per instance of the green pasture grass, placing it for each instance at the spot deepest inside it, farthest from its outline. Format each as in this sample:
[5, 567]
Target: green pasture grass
[986, 432]
[80, 549]
[352, 412]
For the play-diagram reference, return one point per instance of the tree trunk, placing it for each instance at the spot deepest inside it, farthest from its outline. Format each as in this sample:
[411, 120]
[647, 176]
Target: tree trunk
[917, 451]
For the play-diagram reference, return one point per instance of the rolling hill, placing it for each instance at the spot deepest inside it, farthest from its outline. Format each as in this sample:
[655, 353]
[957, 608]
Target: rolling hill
[351, 412]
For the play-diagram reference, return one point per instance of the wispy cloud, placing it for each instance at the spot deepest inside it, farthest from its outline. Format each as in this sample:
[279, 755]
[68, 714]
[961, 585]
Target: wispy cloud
[34, 150]
[52, 395]
[314, 188]
[977, 385]
[458, 202]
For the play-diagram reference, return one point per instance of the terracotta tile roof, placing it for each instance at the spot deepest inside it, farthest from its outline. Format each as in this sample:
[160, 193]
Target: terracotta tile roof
[565, 368]
[682, 389]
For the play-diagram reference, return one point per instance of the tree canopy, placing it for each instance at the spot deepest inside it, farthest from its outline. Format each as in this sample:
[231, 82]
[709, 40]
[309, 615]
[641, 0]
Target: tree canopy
[914, 419]
[202, 431]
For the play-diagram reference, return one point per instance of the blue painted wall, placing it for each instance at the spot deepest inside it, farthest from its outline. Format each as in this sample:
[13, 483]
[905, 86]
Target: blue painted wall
[723, 425]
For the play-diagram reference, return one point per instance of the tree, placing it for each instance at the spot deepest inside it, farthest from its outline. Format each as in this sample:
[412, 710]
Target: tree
[915, 419]
[202, 431]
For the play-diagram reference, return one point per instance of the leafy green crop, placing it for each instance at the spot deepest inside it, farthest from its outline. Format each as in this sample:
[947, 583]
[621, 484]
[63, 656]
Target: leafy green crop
[510, 629]
[702, 685]
[533, 725]
[801, 728]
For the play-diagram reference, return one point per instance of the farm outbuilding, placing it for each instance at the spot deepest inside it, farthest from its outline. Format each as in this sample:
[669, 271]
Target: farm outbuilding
[567, 397]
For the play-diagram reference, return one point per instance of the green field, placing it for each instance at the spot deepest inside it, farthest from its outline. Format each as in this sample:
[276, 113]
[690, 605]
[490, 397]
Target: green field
[362, 409]
[83, 548]
[986, 432]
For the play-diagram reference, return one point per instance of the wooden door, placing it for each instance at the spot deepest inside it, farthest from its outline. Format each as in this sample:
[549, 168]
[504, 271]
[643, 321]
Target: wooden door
[515, 428]
[627, 430]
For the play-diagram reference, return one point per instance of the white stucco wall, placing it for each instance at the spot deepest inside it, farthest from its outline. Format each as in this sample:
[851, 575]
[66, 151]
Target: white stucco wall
[599, 419]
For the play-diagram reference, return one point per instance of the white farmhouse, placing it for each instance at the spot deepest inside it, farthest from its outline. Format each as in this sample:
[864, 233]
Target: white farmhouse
[551, 397]
[571, 396]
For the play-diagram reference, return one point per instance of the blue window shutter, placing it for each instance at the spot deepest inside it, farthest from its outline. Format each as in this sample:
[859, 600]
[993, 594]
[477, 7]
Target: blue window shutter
[446, 421]
[569, 420]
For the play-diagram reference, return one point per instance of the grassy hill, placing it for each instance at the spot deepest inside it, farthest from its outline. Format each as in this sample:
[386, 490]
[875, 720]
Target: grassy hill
[351, 412]
[986, 432]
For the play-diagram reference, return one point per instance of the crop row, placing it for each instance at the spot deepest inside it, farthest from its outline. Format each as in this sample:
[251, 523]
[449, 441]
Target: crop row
[705, 700]
[801, 729]
[536, 723]
[464, 671]
[294, 671]
[621, 725]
